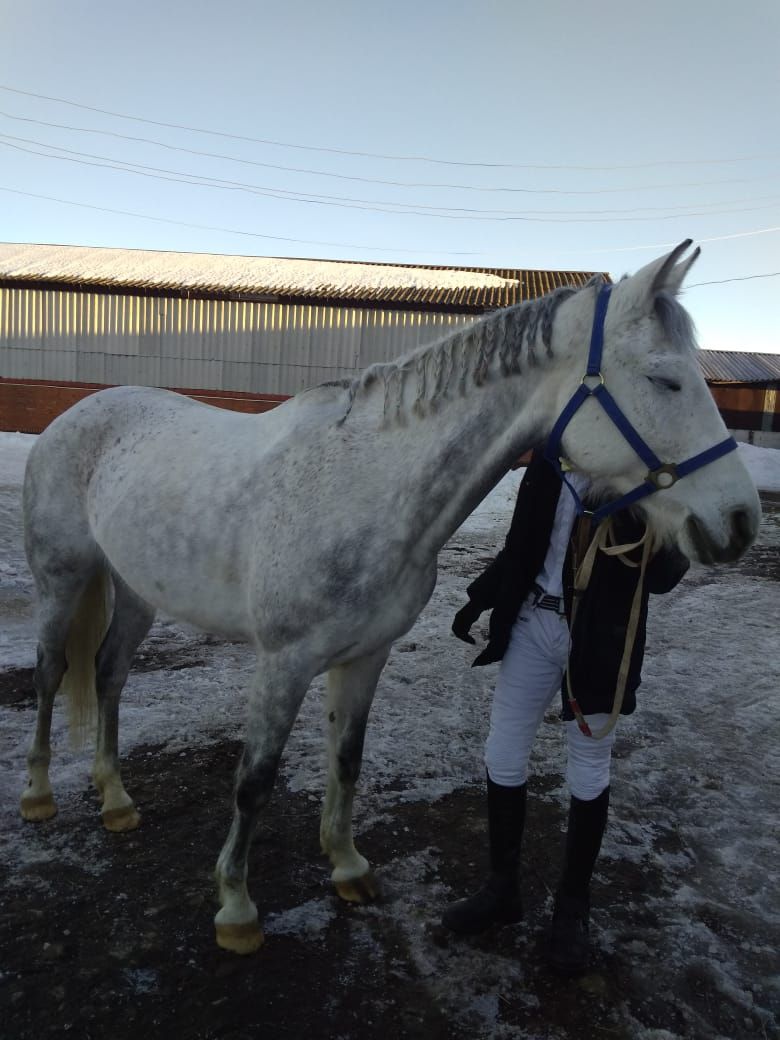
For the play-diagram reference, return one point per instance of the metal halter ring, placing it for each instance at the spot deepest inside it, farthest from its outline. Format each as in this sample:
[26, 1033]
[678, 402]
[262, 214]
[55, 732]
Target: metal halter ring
[592, 375]
[664, 476]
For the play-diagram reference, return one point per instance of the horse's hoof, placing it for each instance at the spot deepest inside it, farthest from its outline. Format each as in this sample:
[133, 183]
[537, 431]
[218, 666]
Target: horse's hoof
[240, 938]
[125, 818]
[363, 889]
[38, 807]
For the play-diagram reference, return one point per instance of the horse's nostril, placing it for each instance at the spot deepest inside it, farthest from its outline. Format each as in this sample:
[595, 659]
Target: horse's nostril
[742, 525]
[710, 549]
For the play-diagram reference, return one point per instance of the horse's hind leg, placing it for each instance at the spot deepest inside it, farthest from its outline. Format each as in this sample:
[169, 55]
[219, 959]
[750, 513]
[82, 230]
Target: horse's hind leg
[275, 699]
[37, 802]
[350, 693]
[131, 620]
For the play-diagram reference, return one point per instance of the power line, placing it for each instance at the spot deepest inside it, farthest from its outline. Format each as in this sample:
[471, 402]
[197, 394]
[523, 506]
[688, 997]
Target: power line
[368, 180]
[160, 173]
[743, 278]
[670, 245]
[230, 231]
[349, 245]
[379, 155]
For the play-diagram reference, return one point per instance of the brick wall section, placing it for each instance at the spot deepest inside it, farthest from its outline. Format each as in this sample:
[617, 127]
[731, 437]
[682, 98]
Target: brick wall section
[28, 406]
[29, 409]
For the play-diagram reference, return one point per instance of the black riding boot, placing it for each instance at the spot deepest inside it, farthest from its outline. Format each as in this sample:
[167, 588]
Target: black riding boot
[567, 939]
[498, 901]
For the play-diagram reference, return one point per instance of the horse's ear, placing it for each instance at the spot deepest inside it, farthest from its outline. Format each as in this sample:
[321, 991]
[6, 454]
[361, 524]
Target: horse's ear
[665, 273]
[671, 275]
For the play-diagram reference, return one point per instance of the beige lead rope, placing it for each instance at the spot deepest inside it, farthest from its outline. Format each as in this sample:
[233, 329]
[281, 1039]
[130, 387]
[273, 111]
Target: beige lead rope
[581, 581]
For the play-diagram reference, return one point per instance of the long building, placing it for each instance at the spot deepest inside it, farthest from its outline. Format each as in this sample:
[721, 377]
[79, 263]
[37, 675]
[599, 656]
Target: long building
[242, 332]
[746, 388]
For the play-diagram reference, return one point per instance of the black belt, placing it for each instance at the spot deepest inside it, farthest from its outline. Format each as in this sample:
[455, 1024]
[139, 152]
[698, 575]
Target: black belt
[545, 602]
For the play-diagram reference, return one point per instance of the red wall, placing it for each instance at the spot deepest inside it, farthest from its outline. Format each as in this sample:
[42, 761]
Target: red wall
[29, 405]
[746, 407]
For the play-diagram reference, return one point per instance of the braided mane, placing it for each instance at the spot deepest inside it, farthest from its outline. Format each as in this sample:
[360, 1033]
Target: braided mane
[503, 341]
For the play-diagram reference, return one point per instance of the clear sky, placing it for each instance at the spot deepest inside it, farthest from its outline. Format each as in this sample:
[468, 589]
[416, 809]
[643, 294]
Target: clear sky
[587, 136]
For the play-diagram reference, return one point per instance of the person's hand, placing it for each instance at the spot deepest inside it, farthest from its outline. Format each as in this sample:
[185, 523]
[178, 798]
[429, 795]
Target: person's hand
[464, 619]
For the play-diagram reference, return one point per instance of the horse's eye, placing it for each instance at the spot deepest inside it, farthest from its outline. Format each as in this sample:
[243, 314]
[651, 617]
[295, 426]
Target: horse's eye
[665, 384]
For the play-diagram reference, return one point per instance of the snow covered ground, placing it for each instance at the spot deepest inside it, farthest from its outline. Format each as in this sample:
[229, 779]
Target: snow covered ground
[695, 779]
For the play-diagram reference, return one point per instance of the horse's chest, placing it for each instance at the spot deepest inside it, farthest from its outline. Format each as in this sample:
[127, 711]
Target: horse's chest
[398, 598]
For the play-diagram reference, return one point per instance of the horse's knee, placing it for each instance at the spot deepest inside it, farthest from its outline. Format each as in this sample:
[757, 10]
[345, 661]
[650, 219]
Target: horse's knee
[254, 784]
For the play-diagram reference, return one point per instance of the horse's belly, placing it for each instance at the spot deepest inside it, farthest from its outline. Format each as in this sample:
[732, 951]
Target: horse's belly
[185, 587]
[183, 554]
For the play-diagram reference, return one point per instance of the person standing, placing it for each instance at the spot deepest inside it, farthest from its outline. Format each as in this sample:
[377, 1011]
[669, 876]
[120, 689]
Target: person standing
[545, 644]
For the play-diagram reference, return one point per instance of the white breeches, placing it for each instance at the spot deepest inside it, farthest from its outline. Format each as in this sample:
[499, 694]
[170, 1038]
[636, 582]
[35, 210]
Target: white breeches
[529, 678]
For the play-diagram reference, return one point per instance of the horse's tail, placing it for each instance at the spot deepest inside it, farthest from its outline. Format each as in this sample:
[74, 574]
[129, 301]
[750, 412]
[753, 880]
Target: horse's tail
[87, 631]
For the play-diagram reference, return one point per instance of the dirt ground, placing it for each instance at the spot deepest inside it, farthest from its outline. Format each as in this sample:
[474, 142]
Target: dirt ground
[115, 939]
[131, 953]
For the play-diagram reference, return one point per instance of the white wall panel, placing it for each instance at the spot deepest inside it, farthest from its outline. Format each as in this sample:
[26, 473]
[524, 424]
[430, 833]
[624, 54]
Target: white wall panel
[209, 344]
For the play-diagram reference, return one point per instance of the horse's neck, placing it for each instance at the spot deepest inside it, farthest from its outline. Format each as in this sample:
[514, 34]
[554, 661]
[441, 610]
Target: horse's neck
[448, 461]
[440, 453]
[460, 461]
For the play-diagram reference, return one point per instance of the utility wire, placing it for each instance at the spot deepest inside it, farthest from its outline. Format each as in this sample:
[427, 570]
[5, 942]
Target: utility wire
[379, 155]
[196, 178]
[349, 245]
[159, 173]
[743, 278]
[230, 231]
[670, 245]
[363, 180]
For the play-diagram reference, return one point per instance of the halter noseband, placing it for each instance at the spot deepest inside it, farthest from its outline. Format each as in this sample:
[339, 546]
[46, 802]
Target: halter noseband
[659, 474]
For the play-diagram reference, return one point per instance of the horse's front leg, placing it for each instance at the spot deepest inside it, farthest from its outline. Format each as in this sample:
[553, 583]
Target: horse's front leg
[350, 693]
[275, 698]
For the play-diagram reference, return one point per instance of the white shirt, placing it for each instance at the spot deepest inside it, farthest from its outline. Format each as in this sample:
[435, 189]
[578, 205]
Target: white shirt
[550, 577]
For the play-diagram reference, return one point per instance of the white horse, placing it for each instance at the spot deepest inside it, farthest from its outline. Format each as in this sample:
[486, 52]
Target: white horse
[312, 531]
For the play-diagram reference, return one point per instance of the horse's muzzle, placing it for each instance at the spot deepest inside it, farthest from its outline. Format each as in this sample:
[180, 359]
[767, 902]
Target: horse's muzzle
[744, 528]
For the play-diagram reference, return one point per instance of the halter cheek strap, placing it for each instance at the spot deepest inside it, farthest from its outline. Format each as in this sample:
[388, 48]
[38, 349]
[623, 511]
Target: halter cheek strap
[659, 474]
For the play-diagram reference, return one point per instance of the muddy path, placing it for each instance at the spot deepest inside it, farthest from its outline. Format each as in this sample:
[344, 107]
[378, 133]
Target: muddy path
[105, 935]
[113, 936]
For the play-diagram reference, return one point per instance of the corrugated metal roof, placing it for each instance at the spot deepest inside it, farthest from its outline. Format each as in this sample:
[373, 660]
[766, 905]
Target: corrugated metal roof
[736, 366]
[472, 288]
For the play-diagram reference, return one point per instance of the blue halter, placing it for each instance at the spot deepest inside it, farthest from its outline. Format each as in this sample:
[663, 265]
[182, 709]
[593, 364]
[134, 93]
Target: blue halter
[659, 474]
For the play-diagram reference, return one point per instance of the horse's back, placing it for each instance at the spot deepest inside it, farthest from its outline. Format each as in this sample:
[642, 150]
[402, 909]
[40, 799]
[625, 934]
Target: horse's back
[109, 413]
[103, 416]
[172, 492]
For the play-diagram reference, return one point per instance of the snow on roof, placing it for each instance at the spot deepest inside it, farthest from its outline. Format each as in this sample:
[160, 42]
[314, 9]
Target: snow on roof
[209, 273]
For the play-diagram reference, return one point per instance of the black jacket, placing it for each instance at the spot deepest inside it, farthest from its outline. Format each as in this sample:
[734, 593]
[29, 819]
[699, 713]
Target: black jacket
[602, 615]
